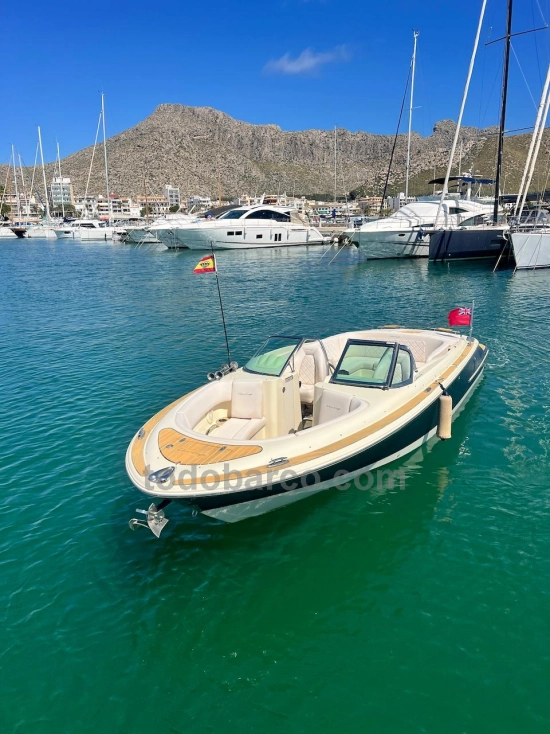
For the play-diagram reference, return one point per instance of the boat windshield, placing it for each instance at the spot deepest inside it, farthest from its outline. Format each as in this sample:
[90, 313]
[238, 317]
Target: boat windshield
[233, 214]
[273, 356]
[365, 363]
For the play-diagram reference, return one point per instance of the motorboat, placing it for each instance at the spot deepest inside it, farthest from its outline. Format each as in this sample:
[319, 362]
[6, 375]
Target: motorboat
[43, 230]
[85, 229]
[124, 229]
[246, 227]
[406, 232]
[165, 229]
[302, 416]
[138, 235]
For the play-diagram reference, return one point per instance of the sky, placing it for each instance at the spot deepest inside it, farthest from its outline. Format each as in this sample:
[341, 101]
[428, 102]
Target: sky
[296, 63]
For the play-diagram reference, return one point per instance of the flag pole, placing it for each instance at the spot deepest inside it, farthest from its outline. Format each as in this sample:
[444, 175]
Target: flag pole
[472, 320]
[221, 306]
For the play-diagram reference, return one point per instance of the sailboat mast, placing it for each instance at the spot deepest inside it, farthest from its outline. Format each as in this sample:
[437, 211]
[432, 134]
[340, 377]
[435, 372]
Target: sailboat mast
[502, 124]
[25, 197]
[411, 101]
[335, 184]
[15, 182]
[46, 200]
[105, 154]
[61, 182]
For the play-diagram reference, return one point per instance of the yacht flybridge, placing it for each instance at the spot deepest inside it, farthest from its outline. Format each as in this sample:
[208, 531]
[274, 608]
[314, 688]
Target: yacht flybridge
[301, 416]
[247, 227]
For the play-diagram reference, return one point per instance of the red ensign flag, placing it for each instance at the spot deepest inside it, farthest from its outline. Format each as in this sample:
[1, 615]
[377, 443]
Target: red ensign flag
[206, 264]
[460, 317]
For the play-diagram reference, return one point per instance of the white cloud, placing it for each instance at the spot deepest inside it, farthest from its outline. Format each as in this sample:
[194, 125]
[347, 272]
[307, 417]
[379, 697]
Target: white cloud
[307, 61]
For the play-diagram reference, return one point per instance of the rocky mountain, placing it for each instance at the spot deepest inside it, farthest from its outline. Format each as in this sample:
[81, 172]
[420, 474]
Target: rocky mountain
[191, 147]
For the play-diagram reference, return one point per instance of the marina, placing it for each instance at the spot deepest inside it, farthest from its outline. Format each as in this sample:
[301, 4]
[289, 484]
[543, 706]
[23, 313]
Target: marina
[347, 579]
[274, 376]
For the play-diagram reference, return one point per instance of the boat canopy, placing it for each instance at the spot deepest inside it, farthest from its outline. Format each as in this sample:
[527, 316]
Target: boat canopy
[464, 179]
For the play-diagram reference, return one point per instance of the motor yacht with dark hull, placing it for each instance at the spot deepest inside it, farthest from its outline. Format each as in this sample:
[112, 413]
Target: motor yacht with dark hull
[301, 416]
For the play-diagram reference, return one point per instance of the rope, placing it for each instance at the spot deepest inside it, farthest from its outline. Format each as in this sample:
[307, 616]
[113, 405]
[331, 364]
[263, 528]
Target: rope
[92, 161]
[523, 75]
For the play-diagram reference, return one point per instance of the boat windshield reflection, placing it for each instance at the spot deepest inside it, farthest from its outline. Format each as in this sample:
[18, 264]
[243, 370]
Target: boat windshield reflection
[273, 356]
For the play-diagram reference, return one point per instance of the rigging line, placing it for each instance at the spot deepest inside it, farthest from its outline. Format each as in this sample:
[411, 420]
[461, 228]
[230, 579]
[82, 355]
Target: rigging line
[33, 170]
[395, 139]
[547, 169]
[540, 11]
[92, 161]
[523, 75]
[490, 97]
[482, 84]
[536, 44]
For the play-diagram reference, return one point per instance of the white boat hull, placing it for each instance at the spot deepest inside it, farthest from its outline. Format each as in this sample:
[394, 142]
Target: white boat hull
[42, 232]
[391, 244]
[531, 250]
[7, 234]
[99, 234]
[65, 234]
[253, 508]
[249, 237]
[140, 237]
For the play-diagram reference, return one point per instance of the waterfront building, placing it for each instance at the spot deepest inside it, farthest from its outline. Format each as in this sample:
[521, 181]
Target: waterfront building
[86, 206]
[156, 206]
[396, 202]
[25, 206]
[370, 205]
[119, 207]
[198, 202]
[172, 195]
[61, 191]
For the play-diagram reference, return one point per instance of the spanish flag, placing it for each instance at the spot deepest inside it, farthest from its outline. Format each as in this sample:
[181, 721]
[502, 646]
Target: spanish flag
[207, 264]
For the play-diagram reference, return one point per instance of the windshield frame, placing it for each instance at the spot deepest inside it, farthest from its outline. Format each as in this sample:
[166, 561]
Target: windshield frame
[371, 342]
[299, 341]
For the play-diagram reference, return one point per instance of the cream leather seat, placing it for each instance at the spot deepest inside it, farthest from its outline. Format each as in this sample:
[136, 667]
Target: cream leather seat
[312, 368]
[332, 405]
[246, 412]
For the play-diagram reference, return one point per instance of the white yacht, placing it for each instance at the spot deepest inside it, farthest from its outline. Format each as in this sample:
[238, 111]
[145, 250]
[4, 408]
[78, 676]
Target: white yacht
[85, 229]
[406, 232]
[247, 227]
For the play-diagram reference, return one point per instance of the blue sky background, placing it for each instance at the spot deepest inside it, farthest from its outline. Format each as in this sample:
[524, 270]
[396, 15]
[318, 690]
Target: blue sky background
[296, 63]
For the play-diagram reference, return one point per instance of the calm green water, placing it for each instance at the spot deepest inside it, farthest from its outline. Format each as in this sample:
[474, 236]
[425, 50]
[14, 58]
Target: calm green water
[418, 610]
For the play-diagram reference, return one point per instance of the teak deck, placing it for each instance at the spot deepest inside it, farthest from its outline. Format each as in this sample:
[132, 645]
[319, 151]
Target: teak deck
[181, 449]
